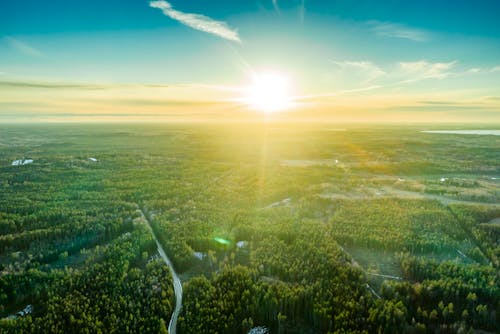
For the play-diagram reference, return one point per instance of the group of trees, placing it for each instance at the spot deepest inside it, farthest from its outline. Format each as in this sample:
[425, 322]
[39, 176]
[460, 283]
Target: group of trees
[298, 280]
[478, 222]
[237, 299]
[418, 226]
[444, 297]
[118, 290]
[70, 248]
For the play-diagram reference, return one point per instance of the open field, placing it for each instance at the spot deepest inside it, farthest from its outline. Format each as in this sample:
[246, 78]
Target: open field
[299, 228]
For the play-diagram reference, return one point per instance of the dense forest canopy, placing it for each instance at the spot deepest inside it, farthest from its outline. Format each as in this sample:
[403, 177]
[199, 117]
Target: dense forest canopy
[273, 227]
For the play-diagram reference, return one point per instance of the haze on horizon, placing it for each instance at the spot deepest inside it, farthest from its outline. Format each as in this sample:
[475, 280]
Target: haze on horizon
[355, 61]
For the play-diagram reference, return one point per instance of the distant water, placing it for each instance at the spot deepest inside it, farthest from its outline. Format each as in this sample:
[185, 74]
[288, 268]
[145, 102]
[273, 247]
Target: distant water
[467, 132]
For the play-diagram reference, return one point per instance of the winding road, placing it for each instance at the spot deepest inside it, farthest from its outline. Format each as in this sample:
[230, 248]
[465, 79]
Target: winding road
[172, 325]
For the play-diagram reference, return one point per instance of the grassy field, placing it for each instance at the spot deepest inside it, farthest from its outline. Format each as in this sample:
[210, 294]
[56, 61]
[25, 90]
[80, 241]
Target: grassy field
[298, 228]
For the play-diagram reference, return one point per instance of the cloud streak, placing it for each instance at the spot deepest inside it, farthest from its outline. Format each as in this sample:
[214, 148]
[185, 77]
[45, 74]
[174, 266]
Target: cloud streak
[275, 5]
[302, 10]
[422, 70]
[396, 30]
[366, 69]
[197, 21]
[23, 47]
[373, 76]
[48, 85]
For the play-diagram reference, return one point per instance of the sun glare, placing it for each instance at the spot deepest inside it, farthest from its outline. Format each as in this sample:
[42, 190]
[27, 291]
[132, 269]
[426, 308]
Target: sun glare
[269, 92]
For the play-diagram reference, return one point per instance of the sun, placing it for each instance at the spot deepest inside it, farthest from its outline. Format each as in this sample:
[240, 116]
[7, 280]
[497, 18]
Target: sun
[269, 92]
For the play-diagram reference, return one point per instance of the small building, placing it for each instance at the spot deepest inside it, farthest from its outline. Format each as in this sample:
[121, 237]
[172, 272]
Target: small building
[241, 244]
[200, 256]
[21, 162]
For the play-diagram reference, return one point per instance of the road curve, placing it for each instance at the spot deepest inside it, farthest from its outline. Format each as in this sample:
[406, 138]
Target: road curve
[172, 325]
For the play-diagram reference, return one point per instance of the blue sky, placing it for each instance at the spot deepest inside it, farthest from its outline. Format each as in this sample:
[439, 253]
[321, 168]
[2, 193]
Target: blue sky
[343, 54]
[53, 16]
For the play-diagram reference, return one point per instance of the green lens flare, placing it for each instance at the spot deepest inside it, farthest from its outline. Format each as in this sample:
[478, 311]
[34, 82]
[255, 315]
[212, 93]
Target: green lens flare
[222, 241]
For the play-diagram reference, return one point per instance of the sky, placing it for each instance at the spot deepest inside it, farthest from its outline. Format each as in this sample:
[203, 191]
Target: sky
[345, 60]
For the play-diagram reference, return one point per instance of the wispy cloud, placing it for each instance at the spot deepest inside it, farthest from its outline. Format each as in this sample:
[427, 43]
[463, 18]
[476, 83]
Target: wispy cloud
[473, 70]
[421, 70]
[302, 10]
[338, 93]
[495, 69]
[444, 102]
[365, 76]
[134, 100]
[49, 85]
[275, 5]
[396, 30]
[23, 47]
[361, 73]
[367, 69]
[198, 21]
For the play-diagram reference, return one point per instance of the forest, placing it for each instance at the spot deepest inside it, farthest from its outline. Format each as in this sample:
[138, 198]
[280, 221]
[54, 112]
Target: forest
[282, 227]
